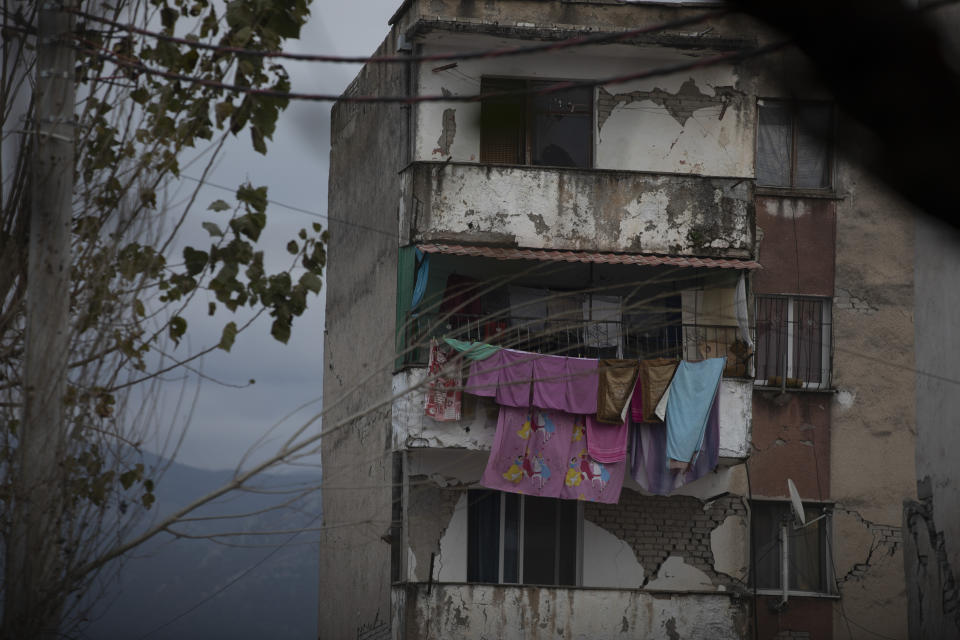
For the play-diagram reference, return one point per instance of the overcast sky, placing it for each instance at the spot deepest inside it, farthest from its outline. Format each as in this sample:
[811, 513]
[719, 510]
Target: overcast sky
[226, 420]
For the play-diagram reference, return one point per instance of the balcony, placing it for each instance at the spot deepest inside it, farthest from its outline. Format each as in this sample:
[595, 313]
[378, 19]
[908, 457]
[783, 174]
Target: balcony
[577, 209]
[447, 610]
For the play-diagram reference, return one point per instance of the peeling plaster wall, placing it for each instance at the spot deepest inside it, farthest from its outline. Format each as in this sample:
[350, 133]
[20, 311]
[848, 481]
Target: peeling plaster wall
[542, 207]
[674, 538]
[454, 611]
[872, 469]
[478, 425]
[696, 122]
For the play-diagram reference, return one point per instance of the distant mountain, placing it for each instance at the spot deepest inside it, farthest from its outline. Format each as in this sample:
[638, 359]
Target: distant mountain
[274, 590]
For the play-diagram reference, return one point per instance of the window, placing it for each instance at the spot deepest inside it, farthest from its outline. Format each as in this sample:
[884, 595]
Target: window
[518, 539]
[554, 129]
[808, 564]
[794, 145]
[793, 339]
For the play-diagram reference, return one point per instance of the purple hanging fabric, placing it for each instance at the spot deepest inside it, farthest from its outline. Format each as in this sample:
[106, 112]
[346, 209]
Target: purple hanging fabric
[582, 383]
[485, 376]
[550, 383]
[516, 376]
[636, 402]
[649, 465]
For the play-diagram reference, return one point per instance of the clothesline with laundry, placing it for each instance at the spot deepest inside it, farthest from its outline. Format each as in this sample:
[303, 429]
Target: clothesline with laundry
[568, 426]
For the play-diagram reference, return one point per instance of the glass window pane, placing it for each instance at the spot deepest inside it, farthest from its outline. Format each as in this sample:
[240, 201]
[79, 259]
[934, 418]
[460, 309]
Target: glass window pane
[483, 536]
[771, 337]
[807, 555]
[563, 127]
[766, 518]
[774, 145]
[503, 123]
[813, 146]
[539, 540]
[511, 538]
[567, 549]
[808, 339]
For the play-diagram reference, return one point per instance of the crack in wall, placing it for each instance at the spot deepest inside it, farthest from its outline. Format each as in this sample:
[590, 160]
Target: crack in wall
[679, 105]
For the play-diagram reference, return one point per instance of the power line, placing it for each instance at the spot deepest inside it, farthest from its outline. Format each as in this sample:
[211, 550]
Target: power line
[736, 56]
[579, 41]
[297, 209]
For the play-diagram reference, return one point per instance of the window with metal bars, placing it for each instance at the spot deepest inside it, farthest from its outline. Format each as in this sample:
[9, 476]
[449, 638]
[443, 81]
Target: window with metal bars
[807, 562]
[793, 341]
[523, 127]
[514, 539]
[794, 144]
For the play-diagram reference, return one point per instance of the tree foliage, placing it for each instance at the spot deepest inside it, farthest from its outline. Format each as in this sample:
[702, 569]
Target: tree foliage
[130, 292]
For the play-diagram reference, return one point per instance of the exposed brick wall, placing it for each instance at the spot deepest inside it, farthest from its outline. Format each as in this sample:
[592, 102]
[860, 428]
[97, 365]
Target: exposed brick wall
[657, 527]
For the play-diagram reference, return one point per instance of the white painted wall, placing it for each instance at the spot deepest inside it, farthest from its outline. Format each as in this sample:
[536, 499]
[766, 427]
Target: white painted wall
[637, 136]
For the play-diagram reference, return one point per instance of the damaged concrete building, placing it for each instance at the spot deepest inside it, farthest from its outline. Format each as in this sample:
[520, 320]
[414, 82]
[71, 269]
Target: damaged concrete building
[614, 216]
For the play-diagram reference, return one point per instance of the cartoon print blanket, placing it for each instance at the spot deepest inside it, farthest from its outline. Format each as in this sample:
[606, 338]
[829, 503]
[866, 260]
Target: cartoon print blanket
[544, 453]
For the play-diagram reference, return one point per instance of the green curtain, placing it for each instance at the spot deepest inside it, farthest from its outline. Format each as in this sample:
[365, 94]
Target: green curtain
[406, 274]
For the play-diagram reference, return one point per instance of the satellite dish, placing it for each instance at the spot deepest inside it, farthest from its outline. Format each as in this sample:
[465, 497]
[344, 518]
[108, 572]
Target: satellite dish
[796, 503]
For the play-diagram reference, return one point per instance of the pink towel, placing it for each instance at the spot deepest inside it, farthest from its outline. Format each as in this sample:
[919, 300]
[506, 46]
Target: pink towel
[544, 453]
[606, 442]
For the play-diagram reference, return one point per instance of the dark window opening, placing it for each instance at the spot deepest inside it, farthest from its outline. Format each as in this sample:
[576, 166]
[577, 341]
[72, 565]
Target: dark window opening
[808, 559]
[794, 145]
[513, 539]
[554, 129]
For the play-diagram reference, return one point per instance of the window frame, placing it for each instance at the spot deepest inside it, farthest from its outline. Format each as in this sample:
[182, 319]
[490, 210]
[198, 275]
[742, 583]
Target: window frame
[794, 107]
[529, 120]
[521, 526]
[826, 341]
[826, 559]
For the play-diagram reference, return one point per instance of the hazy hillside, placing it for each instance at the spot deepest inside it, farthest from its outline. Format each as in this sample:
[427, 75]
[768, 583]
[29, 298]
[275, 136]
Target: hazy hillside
[276, 599]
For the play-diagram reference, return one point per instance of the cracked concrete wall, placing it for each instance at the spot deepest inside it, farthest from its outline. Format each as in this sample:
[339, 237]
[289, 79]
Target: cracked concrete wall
[540, 207]
[698, 122]
[360, 287]
[873, 420]
[484, 611]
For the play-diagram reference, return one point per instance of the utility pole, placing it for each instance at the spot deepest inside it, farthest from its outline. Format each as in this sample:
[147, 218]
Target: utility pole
[34, 587]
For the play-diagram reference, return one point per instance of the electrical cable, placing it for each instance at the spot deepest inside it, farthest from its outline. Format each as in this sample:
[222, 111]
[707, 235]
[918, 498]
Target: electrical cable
[579, 41]
[730, 57]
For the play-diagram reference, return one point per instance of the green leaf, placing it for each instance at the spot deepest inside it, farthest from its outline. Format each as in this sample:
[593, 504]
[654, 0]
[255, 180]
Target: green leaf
[317, 227]
[195, 260]
[138, 308]
[140, 95]
[211, 308]
[228, 337]
[255, 197]
[259, 145]
[292, 248]
[311, 281]
[178, 326]
[212, 228]
[218, 205]
[280, 329]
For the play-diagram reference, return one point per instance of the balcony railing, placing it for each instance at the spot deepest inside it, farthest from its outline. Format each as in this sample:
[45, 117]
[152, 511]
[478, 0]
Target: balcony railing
[585, 339]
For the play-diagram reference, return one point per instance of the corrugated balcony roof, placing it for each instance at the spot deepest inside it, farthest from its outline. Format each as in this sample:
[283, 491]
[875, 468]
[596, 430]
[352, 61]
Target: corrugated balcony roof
[554, 255]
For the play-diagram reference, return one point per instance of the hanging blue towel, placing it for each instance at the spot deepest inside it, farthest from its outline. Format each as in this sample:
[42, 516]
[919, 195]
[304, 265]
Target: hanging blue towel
[692, 390]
